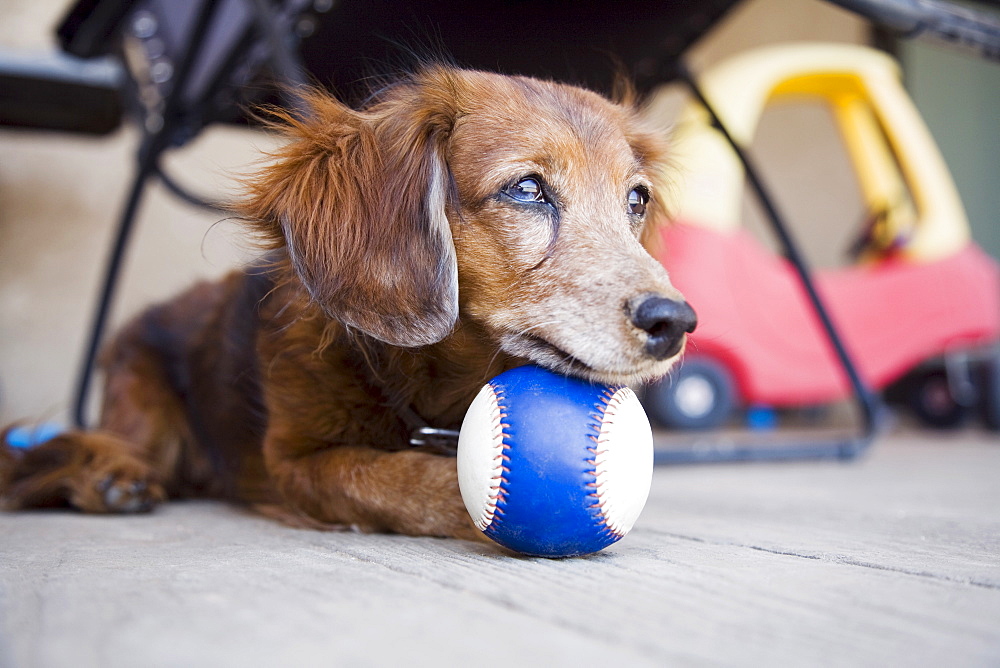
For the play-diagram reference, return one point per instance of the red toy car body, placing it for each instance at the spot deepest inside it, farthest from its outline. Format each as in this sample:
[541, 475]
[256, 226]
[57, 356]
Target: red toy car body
[921, 293]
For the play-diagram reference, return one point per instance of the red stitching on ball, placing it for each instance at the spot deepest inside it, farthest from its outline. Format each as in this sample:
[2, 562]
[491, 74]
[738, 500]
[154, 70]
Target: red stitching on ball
[496, 490]
[610, 396]
[499, 495]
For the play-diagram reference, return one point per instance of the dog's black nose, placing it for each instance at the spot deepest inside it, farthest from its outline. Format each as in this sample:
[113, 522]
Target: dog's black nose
[666, 321]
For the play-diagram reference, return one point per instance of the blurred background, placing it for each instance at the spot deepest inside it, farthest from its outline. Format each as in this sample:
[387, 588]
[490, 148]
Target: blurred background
[61, 193]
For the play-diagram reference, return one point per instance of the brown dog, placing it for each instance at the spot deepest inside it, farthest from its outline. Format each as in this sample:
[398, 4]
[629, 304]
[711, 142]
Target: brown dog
[460, 224]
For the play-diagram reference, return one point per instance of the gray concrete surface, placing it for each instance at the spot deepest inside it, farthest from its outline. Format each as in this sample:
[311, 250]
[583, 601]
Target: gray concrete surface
[892, 560]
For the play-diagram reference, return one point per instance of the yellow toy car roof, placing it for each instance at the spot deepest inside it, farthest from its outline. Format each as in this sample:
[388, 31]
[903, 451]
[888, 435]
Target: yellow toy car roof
[849, 78]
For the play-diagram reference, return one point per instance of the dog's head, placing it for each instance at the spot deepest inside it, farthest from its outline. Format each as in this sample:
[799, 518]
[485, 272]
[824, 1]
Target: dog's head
[516, 203]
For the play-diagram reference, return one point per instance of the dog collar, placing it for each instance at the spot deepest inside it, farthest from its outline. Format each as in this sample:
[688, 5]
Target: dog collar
[422, 435]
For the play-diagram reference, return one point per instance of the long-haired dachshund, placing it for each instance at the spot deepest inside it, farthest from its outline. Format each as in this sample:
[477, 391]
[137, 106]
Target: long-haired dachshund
[459, 224]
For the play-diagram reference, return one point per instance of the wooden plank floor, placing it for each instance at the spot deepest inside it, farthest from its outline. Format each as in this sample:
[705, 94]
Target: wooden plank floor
[893, 560]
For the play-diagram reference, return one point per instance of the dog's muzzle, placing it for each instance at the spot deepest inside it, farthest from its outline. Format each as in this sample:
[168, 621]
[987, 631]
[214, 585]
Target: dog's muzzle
[665, 321]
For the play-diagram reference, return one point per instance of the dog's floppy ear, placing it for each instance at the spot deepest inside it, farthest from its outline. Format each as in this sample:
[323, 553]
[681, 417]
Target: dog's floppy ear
[359, 199]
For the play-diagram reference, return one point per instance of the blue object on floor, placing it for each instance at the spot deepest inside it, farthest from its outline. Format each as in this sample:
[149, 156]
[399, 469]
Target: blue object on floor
[29, 437]
[760, 417]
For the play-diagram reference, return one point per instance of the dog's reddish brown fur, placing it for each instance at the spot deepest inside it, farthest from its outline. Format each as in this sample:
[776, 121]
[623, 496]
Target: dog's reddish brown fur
[400, 275]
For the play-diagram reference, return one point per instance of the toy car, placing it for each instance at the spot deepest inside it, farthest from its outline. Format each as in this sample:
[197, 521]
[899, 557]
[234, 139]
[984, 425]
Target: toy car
[919, 310]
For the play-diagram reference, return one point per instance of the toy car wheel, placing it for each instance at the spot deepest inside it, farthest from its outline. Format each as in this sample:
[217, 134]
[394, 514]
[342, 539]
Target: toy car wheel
[699, 395]
[989, 392]
[932, 401]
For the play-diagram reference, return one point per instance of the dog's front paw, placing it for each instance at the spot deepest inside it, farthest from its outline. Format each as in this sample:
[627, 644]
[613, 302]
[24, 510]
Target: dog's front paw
[120, 486]
[129, 496]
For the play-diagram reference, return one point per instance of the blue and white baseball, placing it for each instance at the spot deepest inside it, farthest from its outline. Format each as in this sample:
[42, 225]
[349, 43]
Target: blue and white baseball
[554, 466]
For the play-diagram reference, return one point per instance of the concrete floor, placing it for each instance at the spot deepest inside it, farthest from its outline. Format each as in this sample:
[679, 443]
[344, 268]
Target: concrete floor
[891, 560]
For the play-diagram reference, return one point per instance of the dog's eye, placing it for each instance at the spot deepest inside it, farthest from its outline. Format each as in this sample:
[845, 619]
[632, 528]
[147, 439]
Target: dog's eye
[526, 190]
[637, 200]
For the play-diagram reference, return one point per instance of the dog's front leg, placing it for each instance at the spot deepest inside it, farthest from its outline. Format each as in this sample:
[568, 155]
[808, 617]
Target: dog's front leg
[408, 492]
